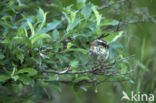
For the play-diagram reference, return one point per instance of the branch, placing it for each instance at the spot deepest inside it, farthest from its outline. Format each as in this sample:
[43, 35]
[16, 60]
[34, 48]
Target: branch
[115, 73]
[150, 19]
[94, 70]
[82, 82]
[120, 80]
[68, 72]
[109, 5]
[140, 21]
[117, 61]
[95, 82]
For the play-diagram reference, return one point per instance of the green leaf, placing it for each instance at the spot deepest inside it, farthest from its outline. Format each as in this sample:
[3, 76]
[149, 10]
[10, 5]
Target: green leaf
[81, 79]
[80, 3]
[55, 87]
[20, 31]
[66, 36]
[74, 63]
[97, 14]
[69, 45]
[5, 17]
[55, 35]
[5, 41]
[72, 24]
[53, 78]
[131, 81]
[13, 74]
[71, 18]
[76, 50]
[113, 37]
[3, 78]
[27, 80]
[1, 56]
[118, 35]
[73, 15]
[107, 22]
[67, 17]
[42, 17]
[124, 68]
[30, 71]
[50, 26]
[31, 28]
[39, 37]
[20, 56]
[15, 77]
[84, 89]
[25, 31]
[86, 11]
[75, 23]
[22, 40]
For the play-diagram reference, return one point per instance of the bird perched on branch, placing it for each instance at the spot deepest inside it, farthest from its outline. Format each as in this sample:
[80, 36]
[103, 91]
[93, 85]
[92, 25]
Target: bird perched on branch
[99, 50]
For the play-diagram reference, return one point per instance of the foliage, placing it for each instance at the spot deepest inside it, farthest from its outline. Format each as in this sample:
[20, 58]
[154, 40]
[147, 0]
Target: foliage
[36, 38]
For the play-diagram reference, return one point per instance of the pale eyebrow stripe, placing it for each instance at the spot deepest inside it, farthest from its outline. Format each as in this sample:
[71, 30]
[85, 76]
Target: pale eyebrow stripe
[100, 41]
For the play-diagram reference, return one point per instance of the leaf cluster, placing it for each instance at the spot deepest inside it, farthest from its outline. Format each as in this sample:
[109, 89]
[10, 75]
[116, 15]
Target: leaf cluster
[31, 42]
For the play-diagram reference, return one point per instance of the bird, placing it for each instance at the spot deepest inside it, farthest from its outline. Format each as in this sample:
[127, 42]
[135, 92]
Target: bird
[99, 50]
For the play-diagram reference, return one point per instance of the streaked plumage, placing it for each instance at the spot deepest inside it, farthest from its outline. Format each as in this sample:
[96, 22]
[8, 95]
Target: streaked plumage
[99, 49]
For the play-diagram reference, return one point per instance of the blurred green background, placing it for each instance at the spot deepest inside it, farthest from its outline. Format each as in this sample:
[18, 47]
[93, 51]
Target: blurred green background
[139, 38]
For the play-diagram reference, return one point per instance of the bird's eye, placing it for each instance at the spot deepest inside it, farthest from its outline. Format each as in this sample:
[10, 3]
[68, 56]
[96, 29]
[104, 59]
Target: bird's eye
[87, 42]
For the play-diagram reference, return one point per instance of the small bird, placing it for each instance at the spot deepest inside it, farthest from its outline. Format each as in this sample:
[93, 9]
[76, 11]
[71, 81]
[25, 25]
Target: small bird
[99, 50]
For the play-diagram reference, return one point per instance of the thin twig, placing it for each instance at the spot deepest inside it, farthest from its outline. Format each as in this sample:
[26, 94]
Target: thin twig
[94, 82]
[118, 26]
[82, 82]
[68, 72]
[115, 73]
[109, 5]
[103, 81]
[150, 19]
[140, 21]
[117, 61]
[93, 70]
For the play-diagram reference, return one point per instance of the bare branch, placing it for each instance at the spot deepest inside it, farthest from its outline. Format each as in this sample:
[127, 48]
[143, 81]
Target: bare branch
[150, 19]
[117, 61]
[115, 73]
[69, 72]
[109, 5]
[140, 21]
[95, 82]
[120, 80]
[94, 70]
[82, 82]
